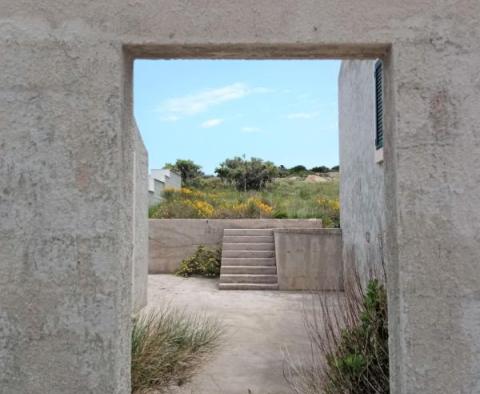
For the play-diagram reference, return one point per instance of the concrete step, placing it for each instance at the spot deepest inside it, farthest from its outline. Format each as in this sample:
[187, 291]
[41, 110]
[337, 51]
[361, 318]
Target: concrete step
[247, 231]
[248, 246]
[248, 260]
[248, 278]
[247, 253]
[249, 269]
[234, 261]
[248, 238]
[248, 286]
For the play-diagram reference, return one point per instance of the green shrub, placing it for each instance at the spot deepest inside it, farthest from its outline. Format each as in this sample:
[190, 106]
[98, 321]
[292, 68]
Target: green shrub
[320, 169]
[152, 211]
[253, 174]
[350, 345]
[187, 169]
[168, 346]
[360, 362]
[280, 214]
[204, 262]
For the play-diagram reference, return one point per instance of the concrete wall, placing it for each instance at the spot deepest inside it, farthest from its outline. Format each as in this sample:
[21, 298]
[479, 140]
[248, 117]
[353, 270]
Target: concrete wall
[158, 181]
[155, 191]
[362, 194]
[171, 179]
[140, 216]
[66, 206]
[66, 165]
[309, 259]
[172, 240]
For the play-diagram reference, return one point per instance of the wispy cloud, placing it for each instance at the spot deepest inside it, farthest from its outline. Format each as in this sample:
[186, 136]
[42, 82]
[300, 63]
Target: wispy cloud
[211, 123]
[251, 129]
[303, 115]
[192, 104]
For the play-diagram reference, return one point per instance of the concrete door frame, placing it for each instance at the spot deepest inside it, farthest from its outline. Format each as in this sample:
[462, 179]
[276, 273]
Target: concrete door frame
[302, 52]
[66, 203]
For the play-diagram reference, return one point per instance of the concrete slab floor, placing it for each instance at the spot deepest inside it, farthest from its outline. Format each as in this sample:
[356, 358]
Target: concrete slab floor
[259, 326]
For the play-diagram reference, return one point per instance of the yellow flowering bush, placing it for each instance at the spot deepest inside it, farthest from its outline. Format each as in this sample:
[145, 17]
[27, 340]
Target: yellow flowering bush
[203, 208]
[253, 207]
[330, 212]
[184, 191]
[258, 207]
[281, 200]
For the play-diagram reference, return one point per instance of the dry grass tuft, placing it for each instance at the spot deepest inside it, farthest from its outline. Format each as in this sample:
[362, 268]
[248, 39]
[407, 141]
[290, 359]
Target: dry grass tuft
[168, 346]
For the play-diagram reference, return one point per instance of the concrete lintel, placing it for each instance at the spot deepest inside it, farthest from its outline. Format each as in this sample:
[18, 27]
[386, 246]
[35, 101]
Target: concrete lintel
[258, 51]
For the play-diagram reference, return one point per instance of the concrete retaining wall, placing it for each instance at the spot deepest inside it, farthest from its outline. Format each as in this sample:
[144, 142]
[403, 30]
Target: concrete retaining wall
[309, 259]
[172, 240]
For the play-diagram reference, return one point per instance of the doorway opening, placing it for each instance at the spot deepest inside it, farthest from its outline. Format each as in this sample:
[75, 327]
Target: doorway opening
[198, 116]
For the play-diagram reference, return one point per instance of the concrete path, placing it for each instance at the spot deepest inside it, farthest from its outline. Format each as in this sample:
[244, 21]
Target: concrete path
[259, 326]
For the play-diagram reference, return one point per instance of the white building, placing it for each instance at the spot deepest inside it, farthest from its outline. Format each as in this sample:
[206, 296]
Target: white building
[158, 181]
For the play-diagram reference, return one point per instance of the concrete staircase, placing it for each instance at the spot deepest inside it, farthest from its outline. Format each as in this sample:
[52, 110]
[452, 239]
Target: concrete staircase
[248, 260]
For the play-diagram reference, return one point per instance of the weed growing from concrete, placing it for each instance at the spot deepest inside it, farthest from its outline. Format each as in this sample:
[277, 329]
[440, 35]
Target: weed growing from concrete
[168, 346]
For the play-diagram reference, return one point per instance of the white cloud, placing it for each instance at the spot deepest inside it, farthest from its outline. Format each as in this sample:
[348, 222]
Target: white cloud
[303, 115]
[251, 129]
[192, 104]
[211, 123]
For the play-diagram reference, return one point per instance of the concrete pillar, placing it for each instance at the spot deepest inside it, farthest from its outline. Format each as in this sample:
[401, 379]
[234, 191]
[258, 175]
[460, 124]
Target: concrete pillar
[432, 213]
[65, 212]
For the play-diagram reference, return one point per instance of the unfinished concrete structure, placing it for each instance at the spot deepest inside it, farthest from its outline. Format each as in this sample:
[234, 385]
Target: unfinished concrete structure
[309, 259]
[172, 240]
[362, 191]
[248, 260]
[66, 152]
[158, 181]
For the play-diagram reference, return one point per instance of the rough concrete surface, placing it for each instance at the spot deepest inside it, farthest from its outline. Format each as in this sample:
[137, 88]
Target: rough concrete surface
[259, 326]
[140, 220]
[66, 163]
[362, 191]
[172, 240]
[309, 259]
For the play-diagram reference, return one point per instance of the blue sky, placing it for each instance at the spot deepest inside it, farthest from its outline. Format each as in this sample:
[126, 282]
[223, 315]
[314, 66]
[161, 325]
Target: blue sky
[209, 110]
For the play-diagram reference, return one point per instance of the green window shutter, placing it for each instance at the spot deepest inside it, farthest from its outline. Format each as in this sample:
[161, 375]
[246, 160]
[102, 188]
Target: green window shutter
[379, 104]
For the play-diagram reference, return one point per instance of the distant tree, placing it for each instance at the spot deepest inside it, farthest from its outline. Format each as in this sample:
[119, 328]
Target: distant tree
[282, 171]
[320, 169]
[251, 174]
[189, 171]
[298, 170]
[335, 169]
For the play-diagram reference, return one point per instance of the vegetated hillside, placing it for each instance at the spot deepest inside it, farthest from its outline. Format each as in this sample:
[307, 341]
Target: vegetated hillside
[313, 196]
